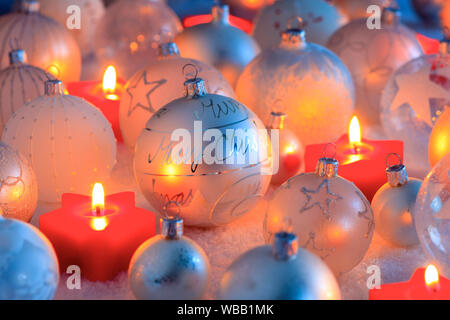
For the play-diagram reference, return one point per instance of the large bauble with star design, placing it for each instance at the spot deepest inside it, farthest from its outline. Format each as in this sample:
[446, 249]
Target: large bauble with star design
[329, 215]
[158, 84]
[372, 56]
[321, 19]
[205, 154]
[412, 101]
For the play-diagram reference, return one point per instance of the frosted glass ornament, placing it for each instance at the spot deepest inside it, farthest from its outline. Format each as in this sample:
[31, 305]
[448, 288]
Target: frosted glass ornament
[300, 73]
[48, 44]
[372, 56]
[169, 266]
[18, 185]
[356, 9]
[30, 268]
[211, 182]
[279, 272]
[219, 44]
[19, 83]
[329, 215]
[129, 32]
[91, 11]
[413, 99]
[158, 84]
[432, 215]
[321, 19]
[439, 144]
[67, 141]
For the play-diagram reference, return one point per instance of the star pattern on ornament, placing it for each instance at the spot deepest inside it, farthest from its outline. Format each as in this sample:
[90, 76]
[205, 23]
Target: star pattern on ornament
[143, 101]
[323, 253]
[321, 197]
[365, 215]
[411, 90]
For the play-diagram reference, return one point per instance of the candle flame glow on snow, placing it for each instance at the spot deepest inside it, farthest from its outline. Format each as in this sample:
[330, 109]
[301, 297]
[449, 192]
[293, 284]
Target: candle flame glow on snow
[431, 276]
[354, 131]
[110, 82]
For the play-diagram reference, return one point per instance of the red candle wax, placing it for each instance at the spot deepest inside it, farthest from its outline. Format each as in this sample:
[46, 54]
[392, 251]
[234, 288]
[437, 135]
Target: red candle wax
[103, 245]
[108, 103]
[363, 163]
[414, 289]
[236, 22]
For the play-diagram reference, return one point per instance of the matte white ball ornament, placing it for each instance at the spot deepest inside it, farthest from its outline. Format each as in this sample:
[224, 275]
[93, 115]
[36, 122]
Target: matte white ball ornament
[67, 141]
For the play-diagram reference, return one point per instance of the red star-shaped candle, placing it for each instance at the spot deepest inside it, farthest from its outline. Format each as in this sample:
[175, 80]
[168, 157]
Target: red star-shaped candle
[99, 236]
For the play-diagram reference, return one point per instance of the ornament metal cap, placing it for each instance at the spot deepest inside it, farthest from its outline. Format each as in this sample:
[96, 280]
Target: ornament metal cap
[194, 87]
[294, 36]
[391, 15]
[220, 13]
[277, 120]
[168, 49]
[285, 246]
[30, 6]
[172, 227]
[327, 167]
[396, 174]
[17, 56]
[54, 88]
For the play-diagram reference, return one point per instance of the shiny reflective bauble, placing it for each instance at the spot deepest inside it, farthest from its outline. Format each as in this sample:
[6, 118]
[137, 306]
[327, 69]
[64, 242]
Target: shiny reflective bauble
[219, 44]
[67, 141]
[18, 185]
[91, 11]
[321, 19]
[299, 73]
[262, 274]
[413, 99]
[372, 56]
[439, 144]
[129, 32]
[432, 216]
[29, 266]
[356, 9]
[329, 215]
[237, 167]
[169, 267]
[158, 84]
[19, 83]
[48, 44]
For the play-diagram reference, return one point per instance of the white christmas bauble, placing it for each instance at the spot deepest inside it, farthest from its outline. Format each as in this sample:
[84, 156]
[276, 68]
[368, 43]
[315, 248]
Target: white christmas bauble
[329, 215]
[206, 153]
[128, 34]
[432, 215]
[157, 85]
[320, 18]
[169, 266]
[315, 86]
[356, 9]
[219, 44]
[279, 272]
[19, 83]
[67, 141]
[413, 99]
[372, 55]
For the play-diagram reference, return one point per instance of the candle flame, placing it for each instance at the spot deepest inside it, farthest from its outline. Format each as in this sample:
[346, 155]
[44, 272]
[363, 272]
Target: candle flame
[98, 197]
[109, 80]
[431, 275]
[99, 223]
[289, 149]
[354, 131]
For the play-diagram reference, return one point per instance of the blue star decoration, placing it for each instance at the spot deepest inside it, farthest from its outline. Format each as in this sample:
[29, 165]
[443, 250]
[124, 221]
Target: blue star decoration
[138, 100]
[321, 197]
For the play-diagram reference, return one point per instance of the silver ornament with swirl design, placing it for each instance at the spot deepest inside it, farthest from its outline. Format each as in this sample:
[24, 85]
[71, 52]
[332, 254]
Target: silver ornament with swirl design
[280, 272]
[392, 207]
[169, 266]
[28, 264]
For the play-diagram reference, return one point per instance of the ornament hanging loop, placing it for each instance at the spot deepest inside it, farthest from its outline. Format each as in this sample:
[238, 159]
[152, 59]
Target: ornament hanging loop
[295, 19]
[327, 148]
[389, 156]
[187, 74]
[172, 225]
[396, 173]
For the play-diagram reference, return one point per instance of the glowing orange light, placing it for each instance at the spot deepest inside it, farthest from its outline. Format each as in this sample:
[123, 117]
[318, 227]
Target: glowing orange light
[354, 131]
[289, 149]
[98, 197]
[134, 46]
[171, 170]
[110, 83]
[99, 223]
[431, 276]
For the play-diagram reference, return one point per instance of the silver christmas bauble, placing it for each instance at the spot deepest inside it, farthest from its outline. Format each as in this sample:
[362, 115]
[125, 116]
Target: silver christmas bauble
[280, 272]
[200, 141]
[329, 215]
[392, 207]
[372, 56]
[169, 266]
[300, 73]
[28, 263]
[219, 44]
[19, 83]
[18, 185]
